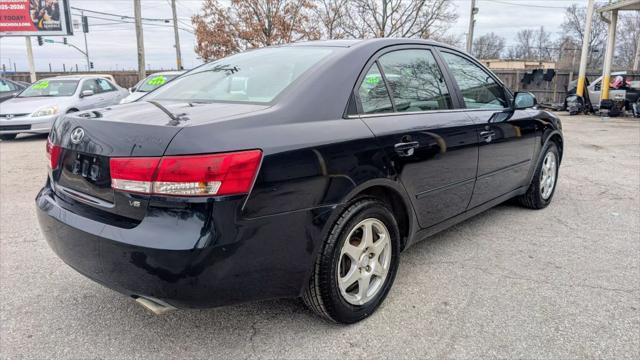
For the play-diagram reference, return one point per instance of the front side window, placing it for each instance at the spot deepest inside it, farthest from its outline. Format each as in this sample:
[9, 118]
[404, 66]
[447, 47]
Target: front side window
[373, 93]
[90, 84]
[256, 76]
[478, 88]
[6, 86]
[51, 88]
[415, 81]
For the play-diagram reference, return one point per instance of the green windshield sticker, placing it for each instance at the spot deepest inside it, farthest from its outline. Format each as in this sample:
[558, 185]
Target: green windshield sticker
[157, 81]
[373, 79]
[41, 85]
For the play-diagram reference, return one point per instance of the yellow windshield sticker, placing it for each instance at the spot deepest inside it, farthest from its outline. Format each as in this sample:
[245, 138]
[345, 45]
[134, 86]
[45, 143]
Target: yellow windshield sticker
[41, 85]
[157, 80]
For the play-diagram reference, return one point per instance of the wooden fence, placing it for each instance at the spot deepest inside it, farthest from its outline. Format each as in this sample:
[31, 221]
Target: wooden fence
[546, 91]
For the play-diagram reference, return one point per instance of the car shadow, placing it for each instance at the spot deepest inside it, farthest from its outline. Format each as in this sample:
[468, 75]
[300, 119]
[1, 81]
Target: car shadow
[255, 317]
[27, 138]
[83, 312]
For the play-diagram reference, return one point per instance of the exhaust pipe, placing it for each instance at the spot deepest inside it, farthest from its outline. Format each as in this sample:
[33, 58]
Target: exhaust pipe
[155, 306]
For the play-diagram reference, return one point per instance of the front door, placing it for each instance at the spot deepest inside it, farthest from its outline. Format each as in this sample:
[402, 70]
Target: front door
[507, 137]
[89, 102]
[432, 144]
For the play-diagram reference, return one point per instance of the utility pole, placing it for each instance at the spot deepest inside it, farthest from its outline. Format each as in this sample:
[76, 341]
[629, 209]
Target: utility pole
[32, 66]
[586, 39]
[175, 31]
[472, 23]
[636, 62]
[139, 37]
[85, 30]
[608, 55]
[573, 64]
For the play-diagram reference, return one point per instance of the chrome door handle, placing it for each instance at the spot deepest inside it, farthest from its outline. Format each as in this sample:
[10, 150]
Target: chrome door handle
[406, 148]
[488, 135]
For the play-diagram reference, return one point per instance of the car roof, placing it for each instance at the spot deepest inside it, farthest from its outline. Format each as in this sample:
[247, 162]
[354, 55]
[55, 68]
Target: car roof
[172, 72]
[82, 76]
[65, 77]
[356, 42]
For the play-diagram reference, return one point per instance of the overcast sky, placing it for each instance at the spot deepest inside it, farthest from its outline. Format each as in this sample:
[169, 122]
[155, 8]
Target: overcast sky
[113, 46]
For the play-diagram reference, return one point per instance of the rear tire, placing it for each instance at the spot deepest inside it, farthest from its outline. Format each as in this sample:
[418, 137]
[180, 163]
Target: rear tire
[6, 137]
[543, 186]
[368, 232]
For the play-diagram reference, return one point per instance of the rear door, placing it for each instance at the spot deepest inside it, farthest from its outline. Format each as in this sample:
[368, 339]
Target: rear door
[406, 101]
[507, 138]
[108, 92]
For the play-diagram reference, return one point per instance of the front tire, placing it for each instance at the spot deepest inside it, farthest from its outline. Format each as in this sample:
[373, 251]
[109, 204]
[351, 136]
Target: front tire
[357, 264]
[545, 179]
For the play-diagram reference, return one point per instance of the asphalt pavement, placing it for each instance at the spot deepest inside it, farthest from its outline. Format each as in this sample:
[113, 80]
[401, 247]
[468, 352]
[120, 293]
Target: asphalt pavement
[559, 283]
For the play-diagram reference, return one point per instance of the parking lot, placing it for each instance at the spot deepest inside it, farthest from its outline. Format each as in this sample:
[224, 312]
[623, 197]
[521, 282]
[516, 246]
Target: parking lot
[559, 283]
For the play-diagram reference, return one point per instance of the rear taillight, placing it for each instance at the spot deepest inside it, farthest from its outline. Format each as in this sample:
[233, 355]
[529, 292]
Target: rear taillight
[53, 154]
[191, 175]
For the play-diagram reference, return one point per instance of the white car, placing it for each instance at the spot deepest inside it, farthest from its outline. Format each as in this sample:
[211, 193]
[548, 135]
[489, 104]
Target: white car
[150, 83]
[36, 108]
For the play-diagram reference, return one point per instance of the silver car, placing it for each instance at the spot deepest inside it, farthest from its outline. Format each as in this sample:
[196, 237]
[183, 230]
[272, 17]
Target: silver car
[150, 83]
[36, 108]
[595, 88]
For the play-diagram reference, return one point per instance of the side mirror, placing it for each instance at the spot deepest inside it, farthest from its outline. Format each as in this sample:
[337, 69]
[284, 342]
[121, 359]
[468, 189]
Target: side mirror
[524, 100]
[86, 93]
[132, 89]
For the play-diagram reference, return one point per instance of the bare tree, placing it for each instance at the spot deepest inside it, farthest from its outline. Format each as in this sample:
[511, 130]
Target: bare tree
[247, 24]
[525, 45]
[488, 46]
[398, 18]
[452, 39]
[573, 26]
[567, 53]
[627, 39]
[533, 45]
[332, 15]
[544, 44]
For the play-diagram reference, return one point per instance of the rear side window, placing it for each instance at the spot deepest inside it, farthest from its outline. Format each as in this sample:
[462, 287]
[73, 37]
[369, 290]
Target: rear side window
[104, 85]
[415, 81]
[478, 88]
[373, 93]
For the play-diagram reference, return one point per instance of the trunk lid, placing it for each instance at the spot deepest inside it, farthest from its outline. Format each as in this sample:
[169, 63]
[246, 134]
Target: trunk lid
[142, 129]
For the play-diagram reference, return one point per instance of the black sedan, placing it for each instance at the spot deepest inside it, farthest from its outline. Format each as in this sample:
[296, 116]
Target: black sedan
[9, 88]
[292, 171]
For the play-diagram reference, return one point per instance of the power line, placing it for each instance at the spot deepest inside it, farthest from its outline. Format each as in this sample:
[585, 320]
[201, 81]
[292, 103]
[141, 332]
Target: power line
[118, 22]
[527, 5]
[118, 15]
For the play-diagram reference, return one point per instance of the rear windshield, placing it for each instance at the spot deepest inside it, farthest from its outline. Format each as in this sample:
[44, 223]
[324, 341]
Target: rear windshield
[52, 88]
[256, 76]
[155, 81]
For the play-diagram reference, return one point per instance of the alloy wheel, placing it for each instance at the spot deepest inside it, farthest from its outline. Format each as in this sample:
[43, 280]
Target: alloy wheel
[365, 259]
[548, 175]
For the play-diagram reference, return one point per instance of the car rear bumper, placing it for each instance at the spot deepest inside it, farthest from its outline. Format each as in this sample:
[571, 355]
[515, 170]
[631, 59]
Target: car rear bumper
[242, 260]
[20, 125]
